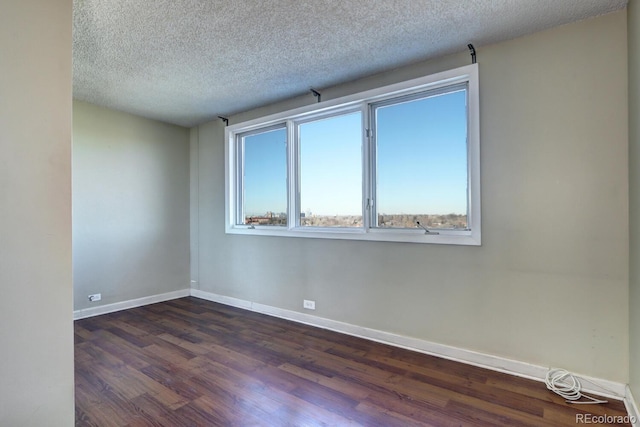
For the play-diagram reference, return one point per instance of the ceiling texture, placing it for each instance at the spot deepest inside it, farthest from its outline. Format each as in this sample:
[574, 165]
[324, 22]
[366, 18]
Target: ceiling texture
[188, 61]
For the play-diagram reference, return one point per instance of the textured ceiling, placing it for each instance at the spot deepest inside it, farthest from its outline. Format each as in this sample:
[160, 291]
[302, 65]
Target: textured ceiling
[187, 61]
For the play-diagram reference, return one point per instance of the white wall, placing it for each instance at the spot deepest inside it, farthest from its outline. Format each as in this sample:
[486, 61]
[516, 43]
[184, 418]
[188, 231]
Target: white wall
[130, 206]
[36, 329]
[550, 283]
[634, 195]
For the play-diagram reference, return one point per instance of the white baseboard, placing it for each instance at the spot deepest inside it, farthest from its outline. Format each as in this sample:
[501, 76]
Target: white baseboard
[632, 408]
[234, 302]
[597, 386]
[138, 302]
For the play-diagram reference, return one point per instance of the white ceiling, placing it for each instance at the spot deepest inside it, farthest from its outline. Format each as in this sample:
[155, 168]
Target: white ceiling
[187, 61]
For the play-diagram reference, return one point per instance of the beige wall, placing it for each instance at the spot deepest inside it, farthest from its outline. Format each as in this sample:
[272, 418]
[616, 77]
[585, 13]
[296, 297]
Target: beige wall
[130, 206]
[550, 283]
[36, 329]
[634, 195]
[194, 185]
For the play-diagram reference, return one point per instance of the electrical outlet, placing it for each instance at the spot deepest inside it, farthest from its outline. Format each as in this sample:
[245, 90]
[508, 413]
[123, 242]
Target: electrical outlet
[95, 297]
[311, 305]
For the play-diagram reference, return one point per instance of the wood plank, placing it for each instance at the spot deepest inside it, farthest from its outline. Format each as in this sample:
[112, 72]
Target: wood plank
[191, 362]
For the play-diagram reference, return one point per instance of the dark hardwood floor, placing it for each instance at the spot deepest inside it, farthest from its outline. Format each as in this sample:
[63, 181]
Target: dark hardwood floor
[190, 362]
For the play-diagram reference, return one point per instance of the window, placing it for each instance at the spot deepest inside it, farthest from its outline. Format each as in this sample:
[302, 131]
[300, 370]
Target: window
[399, 163]
[263, 178]
[330, 171]
[421, 160]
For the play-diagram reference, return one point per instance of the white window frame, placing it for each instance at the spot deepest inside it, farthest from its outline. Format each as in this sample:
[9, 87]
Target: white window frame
[360, 101]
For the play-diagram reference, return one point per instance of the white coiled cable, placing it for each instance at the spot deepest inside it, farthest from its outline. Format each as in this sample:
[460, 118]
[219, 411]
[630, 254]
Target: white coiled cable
[568, 386]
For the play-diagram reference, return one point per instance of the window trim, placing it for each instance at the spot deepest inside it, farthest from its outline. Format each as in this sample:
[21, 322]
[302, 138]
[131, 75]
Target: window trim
[362, 100]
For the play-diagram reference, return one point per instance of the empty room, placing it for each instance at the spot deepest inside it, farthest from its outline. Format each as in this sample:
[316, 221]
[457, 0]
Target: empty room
[382, 213]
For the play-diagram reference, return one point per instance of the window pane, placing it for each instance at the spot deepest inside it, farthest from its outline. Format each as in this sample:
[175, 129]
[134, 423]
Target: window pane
[422, 162]
[331, 172]
[265, 178]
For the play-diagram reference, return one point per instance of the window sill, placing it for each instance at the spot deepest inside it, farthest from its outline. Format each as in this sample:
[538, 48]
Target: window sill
[445, 237]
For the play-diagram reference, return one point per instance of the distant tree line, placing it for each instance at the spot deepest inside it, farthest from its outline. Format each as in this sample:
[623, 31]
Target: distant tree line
[437, 221]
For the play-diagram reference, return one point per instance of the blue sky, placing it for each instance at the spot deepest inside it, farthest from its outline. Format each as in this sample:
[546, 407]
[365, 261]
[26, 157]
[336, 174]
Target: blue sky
[331, 165]
[422, 156]
[265, 177]
[421, 162]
